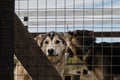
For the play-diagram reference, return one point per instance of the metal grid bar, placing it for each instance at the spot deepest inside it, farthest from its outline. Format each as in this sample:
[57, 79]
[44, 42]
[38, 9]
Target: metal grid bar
[65, 15]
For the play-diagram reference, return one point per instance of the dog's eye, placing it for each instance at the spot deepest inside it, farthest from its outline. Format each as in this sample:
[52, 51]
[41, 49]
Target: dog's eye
[57, 41]
[46, 42]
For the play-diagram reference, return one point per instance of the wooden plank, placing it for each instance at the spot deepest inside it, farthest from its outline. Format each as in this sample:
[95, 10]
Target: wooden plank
[6, 39]
[70, 12]
[107, 34]
[31, 56]
[96, 34]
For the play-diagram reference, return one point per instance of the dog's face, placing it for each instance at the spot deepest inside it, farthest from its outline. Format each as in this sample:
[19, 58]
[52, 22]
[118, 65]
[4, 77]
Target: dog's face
[82, 38]
[53, 45]
[79, 40]
[85, 74]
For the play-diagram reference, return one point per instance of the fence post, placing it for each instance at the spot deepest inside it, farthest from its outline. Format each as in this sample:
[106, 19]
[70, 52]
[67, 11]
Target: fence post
[6, 39]
[31, 56]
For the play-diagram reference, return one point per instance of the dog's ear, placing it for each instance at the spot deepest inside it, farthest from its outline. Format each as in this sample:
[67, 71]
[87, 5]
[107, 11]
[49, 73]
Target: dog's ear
[89, 37]
[67, 36]
[89, 33]
[71, 33]
[39, 39]
[71, 54]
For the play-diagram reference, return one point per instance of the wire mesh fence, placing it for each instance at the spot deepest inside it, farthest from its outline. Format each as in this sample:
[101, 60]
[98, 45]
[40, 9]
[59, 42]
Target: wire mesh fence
[69, 15]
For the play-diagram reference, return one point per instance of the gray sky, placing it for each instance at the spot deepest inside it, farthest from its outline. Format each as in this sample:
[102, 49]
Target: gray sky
[52, 5]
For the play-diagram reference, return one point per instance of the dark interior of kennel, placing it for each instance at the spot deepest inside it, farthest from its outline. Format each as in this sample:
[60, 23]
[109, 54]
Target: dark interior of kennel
[7, 37]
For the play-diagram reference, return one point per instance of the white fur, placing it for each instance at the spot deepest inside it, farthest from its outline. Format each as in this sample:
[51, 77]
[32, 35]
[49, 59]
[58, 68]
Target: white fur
[52, 45]
[60, 50]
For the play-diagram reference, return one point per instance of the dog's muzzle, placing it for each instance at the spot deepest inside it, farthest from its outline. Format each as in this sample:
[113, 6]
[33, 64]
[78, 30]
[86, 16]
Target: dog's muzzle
[85, 72]
[50, 52]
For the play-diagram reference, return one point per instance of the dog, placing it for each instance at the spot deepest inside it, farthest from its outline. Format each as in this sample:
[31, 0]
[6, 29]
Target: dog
[103, 59]
[86, 74]
[20, 73]
[54, 47]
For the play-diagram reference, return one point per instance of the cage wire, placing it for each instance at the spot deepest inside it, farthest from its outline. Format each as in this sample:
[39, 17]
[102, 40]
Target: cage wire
[41, 16]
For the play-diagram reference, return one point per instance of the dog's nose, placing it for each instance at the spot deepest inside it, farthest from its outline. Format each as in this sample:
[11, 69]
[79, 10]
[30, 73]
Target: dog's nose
[85, 71]
[51, 52]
